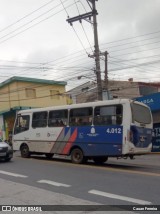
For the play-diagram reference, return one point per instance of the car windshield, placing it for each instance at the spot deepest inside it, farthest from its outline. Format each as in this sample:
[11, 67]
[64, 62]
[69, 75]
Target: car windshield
[140, 113]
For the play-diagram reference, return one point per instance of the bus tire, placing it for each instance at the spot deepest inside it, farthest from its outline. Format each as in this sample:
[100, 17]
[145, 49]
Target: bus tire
[49, 155]
[100, 160]
[25, 151]
[7, 159]
[77, 156]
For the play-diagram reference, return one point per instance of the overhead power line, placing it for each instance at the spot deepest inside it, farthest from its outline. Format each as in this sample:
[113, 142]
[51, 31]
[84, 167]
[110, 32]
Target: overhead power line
[81, 51]
[34, 24]
[78, 60]
[24, 17]
[74, 28]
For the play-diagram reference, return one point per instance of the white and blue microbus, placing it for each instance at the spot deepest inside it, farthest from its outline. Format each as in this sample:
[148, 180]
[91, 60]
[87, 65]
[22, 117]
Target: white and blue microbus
[96, 130]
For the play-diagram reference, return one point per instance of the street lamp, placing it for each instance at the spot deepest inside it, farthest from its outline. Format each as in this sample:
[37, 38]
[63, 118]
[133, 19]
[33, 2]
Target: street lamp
[80, 77]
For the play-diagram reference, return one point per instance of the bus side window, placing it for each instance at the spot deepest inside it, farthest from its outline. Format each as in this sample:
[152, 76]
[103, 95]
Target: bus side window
[119, 115]
[108, 115]
[80, 116]
[72, 121]
[39, 119]
[22, 124]
[98, 120]
[58, 118]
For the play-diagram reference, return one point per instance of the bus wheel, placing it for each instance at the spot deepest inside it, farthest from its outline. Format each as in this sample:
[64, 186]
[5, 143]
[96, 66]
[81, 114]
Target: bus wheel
[49, 155]
[77, 156]
[7, 159]
[25, 151]
[100, 160]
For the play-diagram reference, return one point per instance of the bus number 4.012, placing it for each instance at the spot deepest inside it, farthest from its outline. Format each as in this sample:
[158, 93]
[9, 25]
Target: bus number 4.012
[114, 131]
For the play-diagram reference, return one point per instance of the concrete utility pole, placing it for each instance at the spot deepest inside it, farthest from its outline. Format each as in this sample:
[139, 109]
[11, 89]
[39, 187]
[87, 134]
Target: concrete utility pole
[106, 71]
[97, 52]
[96, 45]
[105, 94]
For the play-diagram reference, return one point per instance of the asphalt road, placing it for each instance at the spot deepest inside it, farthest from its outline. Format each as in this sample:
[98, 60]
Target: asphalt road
[117, 182]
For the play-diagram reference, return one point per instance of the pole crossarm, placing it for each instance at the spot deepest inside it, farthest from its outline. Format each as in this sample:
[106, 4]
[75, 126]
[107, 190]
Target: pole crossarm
[80, 17]
[92, 0]
[96, 54]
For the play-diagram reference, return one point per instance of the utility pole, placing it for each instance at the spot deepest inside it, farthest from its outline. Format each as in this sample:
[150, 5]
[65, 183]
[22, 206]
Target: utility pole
[106, 71]
[105, 94]
[97, 52]
[96, 44]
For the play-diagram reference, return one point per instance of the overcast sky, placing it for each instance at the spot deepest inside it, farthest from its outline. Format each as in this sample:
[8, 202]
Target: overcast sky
[37, 41]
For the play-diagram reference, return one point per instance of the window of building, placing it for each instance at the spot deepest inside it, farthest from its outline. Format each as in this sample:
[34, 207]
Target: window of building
[30, 92]
[39, 119]
[22, 124]
[108, 115]
[58, 118]
[55, 94]
[81, 116]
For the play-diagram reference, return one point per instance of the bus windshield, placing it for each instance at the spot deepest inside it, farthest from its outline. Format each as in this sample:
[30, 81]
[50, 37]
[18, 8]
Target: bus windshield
[140, 114]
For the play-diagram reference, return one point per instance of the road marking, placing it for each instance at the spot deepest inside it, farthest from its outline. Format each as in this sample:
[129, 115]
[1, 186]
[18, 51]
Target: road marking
[53, 183]
[13, 174]
[119, 197]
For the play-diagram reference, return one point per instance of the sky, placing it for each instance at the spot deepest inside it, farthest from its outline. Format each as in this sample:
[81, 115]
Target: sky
[37, 41]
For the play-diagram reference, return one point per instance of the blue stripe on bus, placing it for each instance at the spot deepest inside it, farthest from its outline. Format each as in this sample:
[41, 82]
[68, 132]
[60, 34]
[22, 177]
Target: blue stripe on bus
[99, 140]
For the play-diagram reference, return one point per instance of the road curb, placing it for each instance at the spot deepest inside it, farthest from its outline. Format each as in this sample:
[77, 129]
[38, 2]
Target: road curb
[154, 153]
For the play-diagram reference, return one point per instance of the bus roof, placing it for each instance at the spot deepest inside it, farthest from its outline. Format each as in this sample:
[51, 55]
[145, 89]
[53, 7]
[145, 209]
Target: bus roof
[79, 105]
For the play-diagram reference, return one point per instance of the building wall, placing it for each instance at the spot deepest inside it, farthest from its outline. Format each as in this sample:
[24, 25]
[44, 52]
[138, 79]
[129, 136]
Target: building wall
[124, 89]
[15, 94]
[87, 96]
[4, 98]
[18, 94]
[117, 89]
[81, 89]
[2, 132]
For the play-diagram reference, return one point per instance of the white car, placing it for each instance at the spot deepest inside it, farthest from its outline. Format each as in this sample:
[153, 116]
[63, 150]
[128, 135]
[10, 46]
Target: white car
[6, 152]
